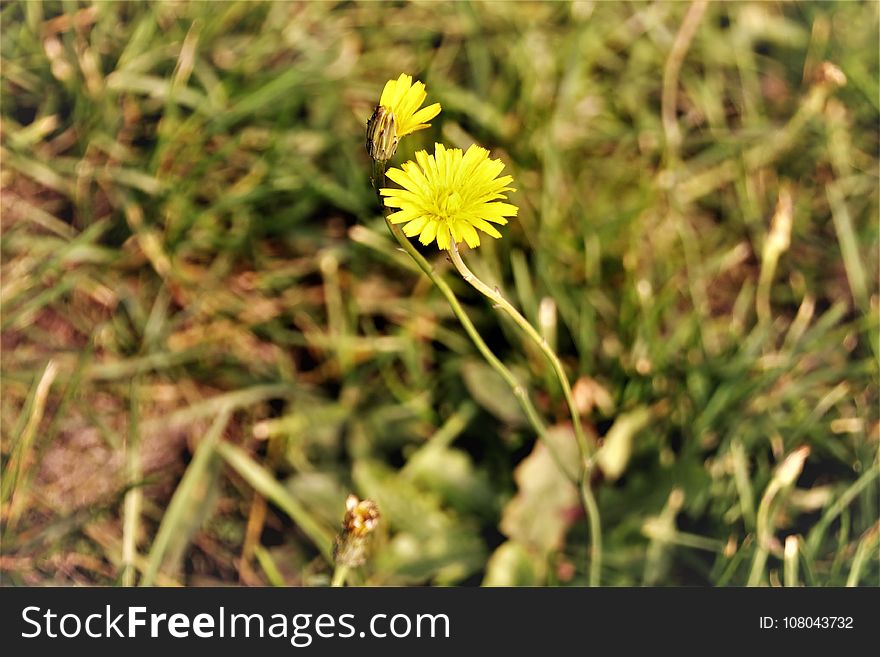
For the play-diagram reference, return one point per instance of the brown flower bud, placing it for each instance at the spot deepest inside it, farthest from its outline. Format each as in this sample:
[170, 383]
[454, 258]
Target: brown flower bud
[361, 518]
[382, 136]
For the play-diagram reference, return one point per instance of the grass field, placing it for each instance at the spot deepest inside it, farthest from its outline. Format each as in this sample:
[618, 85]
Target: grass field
[209, 337]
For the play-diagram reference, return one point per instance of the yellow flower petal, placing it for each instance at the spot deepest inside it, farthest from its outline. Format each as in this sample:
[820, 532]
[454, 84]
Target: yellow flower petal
[426, 114]
[403, 98]
[415, 226]
[429, 232]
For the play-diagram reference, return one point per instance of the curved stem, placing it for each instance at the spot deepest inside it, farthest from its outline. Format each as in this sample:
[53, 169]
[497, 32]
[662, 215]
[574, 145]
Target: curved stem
[588, 499]
[495, 297]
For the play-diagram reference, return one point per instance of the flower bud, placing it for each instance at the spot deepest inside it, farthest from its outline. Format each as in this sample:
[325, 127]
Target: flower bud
[361, 518]
[382, 136]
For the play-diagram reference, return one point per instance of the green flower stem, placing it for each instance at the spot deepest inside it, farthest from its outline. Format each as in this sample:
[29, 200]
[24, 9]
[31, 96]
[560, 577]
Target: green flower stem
[588, 499]
[499, 301]
[339, 575]
[518, 390]
[587, 496]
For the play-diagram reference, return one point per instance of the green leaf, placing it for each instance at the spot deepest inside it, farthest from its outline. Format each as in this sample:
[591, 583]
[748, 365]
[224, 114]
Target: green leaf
[192, 502]
[451, 474]
[491, 392]
[264, 483]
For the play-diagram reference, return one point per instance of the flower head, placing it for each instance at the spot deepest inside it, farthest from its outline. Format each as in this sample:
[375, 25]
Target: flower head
[449, 195]
[360, 520]
[403, 98]
[361, 516]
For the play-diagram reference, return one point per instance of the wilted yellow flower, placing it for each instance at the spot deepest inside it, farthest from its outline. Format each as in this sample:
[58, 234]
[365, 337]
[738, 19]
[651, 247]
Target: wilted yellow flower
[447, 196]
[403, 98]
[360, 520]
[361, 516]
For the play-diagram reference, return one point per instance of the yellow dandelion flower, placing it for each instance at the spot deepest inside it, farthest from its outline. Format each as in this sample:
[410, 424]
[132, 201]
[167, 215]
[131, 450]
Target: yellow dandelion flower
[448, 196]
[403, 99]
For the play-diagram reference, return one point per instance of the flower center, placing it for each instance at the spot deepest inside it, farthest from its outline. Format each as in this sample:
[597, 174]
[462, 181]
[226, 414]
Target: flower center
[448, 204]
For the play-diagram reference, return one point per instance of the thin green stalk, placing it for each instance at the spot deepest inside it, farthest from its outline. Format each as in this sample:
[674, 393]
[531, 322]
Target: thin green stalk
[16, 475]
[743, 483]
[783, 480]
[267, 563]
[496, 298]
[867, 546]
[817, 533]
[790, 561]
[518, 389]
[194, 479]
[595, 520]
[764, 530]
[587, 497]
[263, 482]
[339, 575]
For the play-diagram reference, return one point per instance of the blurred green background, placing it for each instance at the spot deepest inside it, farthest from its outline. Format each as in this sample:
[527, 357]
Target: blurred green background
[209, 338]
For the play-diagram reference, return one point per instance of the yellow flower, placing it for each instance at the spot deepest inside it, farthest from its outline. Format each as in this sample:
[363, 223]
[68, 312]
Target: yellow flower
[403, 99]
[447, 196]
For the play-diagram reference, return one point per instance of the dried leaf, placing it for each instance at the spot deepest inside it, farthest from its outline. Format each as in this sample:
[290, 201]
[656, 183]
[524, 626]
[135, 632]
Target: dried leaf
[543, 509]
